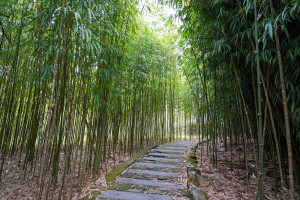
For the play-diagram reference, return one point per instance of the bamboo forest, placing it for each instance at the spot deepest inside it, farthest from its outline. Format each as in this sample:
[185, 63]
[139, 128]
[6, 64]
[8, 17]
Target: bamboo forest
[199, 99]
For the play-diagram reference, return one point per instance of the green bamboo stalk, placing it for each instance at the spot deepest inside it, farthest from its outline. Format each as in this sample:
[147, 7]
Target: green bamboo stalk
[260, 140]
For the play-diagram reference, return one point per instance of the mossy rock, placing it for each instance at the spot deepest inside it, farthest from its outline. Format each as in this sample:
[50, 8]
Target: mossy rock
[193, 181]
[192, 160]
[196, 193]
[194, 164]
[193, 156]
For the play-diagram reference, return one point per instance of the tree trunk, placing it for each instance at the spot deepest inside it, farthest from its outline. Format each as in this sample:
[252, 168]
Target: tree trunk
[285, 107]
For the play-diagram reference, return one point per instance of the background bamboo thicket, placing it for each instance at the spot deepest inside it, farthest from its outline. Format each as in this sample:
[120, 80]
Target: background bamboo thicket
[220, 62]
[80, 83]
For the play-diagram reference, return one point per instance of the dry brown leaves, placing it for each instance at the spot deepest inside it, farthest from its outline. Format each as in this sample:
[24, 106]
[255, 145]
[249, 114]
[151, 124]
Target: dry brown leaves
[224, 183]
[14, 186]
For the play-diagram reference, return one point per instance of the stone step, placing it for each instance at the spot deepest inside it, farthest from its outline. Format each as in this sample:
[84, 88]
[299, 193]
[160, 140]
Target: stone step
[128, 187]
[159, 168]
[166, 151]
[177, 144]
[147, 183]
[172, 148]
[183, 148]
[119, 195]
[163, 155]
[151, 172]
[157, 165]
[160, 160]
[148, 177]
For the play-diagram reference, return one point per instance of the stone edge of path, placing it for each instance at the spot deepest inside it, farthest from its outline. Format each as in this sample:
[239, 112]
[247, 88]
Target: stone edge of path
[195, 192]
[109, 177]
[132, 195]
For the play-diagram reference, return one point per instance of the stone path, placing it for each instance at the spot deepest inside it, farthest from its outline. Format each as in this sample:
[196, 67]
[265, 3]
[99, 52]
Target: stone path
[155, 176]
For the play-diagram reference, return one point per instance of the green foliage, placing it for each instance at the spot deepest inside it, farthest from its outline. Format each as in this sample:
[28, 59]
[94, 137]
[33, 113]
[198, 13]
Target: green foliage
[80, 82]
[218, 36]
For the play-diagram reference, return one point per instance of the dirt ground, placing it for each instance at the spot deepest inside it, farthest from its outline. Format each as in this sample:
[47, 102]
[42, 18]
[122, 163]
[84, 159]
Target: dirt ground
[226, 183]
[14, 186]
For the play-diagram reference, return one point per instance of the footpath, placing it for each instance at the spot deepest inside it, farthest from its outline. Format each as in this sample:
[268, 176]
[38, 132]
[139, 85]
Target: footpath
[159, 175]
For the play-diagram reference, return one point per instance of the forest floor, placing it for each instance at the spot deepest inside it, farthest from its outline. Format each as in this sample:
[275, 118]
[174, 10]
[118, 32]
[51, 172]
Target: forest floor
[14, 186]
[228, 182]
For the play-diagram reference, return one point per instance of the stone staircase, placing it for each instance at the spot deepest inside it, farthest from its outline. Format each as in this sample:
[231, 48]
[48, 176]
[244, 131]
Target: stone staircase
[158, 175]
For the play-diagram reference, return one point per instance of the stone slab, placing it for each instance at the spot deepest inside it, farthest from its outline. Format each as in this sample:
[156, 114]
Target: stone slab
[119, 195]
[164, 155]
[176, 145]
[172, 148]
[151, 172]
[161, 160]
[147, 182]
[162, 169]
[166, 151]
[157, 165]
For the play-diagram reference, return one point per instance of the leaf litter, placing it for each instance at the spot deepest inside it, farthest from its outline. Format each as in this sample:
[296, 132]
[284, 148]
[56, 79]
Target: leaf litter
[228, 181]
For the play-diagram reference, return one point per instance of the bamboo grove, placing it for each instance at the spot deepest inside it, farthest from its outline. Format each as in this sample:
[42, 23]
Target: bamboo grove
[220, 64]
[82, 82]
